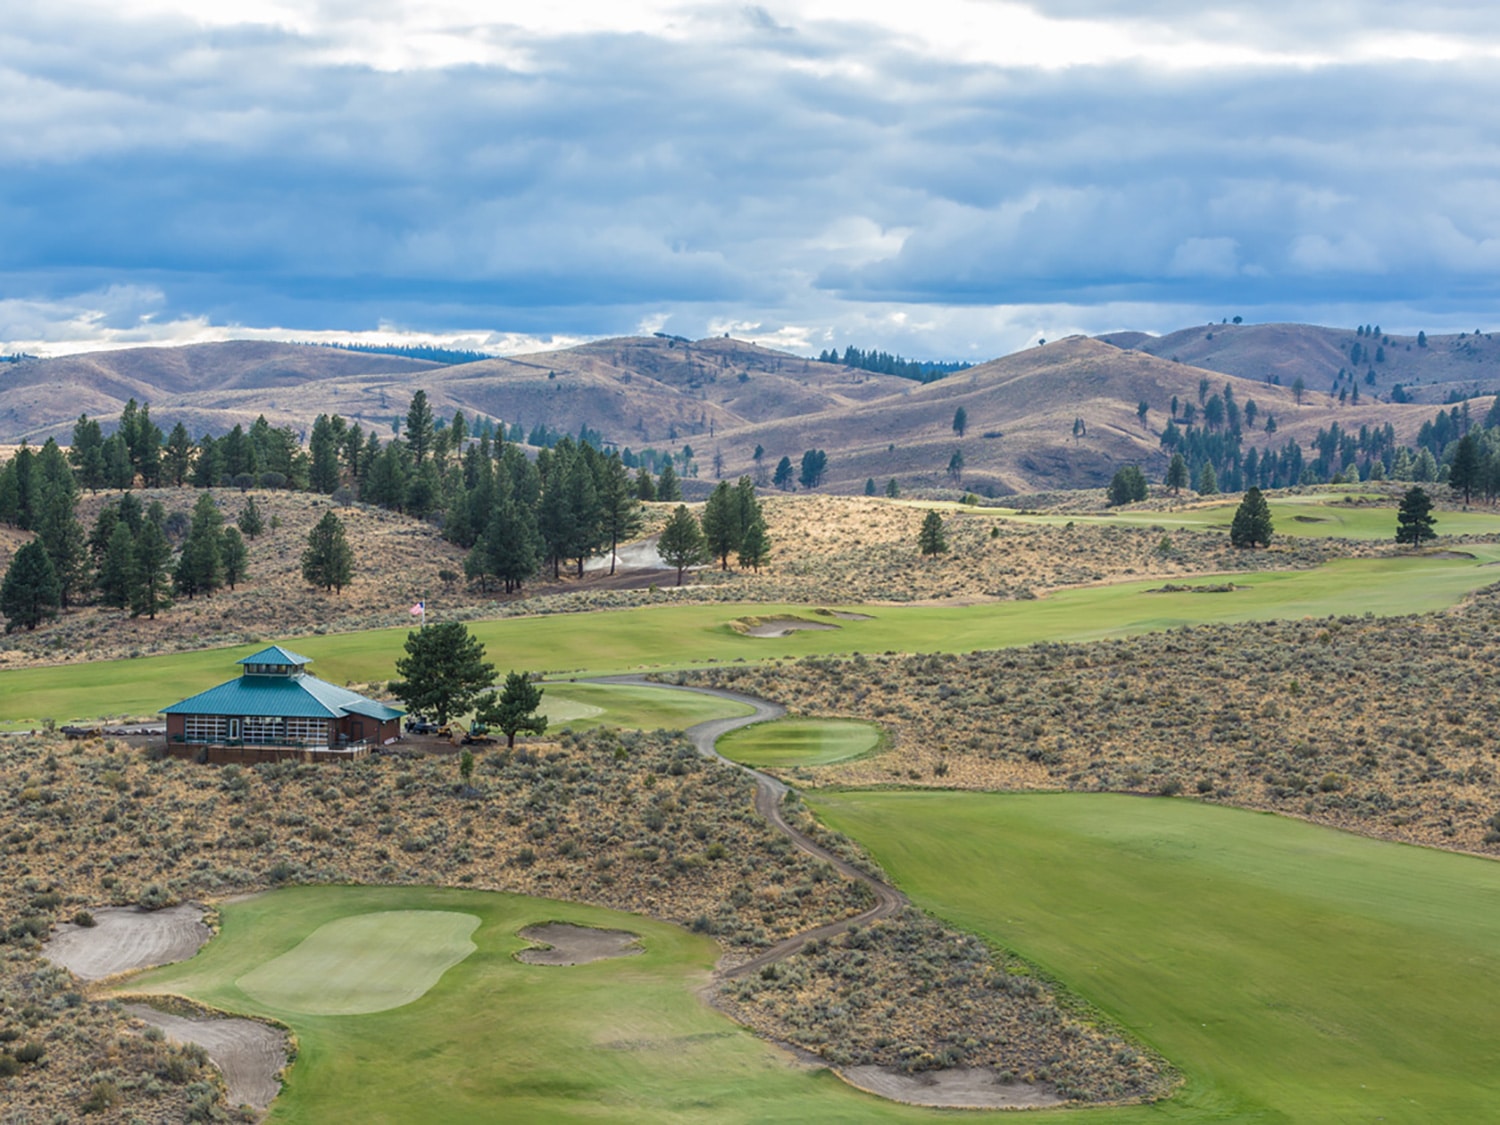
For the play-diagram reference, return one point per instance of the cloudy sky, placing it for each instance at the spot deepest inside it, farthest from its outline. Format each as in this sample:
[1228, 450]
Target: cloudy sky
[953, 179]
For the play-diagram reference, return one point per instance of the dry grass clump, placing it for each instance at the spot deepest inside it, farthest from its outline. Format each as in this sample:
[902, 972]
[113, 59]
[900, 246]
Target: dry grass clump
[626, 820]
[910, 993]
[1383, 726]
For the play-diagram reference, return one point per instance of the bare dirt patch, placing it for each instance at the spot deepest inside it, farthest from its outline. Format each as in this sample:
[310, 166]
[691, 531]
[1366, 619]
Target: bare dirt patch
[251, 1055]
[125, 938]
[564, 944]
[960, 1088]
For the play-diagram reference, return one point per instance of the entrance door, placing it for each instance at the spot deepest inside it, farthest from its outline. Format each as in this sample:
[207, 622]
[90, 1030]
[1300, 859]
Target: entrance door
[234, 730]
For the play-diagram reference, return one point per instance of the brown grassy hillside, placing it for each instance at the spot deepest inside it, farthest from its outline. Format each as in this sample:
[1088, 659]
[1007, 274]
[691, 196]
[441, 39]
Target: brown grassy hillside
[1467, 363]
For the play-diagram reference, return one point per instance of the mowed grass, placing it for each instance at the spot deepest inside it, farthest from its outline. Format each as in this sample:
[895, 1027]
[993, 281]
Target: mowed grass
[1317, 516]
[364, 963]
[672, 636]
[493, 1039]
[799, 742]
[1294, 973]
[584, 706]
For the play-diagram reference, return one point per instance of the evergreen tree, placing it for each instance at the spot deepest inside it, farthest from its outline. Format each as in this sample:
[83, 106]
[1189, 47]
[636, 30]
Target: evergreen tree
[1208, 480]
[178, 455]
[512, 544]
[419, 433]
[931, 540]
[200, 569]
[514, 709]
[87, 453]
[645, 487]
[1252, 521]
[116, 567]
[681, 543]
[1177, 474]
[30, 593]
[328, 560]
[782, 478]
[324, 447]
[582, 497]
[892, 489]
[208, 466]
[667, 489]
[236, 557]
[443, 671]
[723, 526]
[960, 421]
[755, 547]
[1467, 472]
[149, 578]
[620, 509]
[814, 465]
[250, 521]
[1127, 485]
[869, 486]
[1414, 519]
[56, 524]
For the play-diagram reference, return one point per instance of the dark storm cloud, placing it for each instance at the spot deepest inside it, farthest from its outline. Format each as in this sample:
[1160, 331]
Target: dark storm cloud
[777, 169]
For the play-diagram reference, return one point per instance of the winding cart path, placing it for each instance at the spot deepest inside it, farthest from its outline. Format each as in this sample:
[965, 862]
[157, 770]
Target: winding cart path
[768, 796]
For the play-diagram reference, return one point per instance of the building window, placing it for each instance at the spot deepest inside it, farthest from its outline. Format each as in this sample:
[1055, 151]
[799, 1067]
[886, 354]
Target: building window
[203, 728]
[264, 730]
[307, 732]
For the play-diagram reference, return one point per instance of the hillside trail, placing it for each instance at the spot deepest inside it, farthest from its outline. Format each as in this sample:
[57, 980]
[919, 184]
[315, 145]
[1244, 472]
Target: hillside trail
[769, 793]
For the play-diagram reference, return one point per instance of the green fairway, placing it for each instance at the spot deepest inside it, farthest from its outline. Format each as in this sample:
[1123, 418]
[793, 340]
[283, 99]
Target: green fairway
[1314, 516]
[494, 1039]
[584, 706]
[672, 636]
[799, 742]
[1295, 974]
[365, 963]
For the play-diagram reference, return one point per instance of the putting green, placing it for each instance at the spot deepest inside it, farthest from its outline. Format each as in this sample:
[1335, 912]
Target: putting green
[365, 963]
[583, 706]
[800, 742]
[1294, 973]
[495, 1039]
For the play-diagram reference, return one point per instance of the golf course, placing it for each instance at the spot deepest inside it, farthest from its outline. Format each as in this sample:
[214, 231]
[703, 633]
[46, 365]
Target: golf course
[659, 637]
[429, 1016]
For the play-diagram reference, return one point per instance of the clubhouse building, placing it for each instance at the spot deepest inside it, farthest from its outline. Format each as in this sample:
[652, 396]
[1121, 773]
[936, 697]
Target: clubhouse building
[274, 710]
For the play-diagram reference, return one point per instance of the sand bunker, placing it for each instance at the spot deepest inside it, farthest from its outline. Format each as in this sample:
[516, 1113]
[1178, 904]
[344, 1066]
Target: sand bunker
[576, 945]
[843, 615]
[249, 1054]
[962, 1088]
[778, 626]
[126, 938]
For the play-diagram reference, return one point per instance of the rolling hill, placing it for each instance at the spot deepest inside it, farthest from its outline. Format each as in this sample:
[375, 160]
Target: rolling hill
[1063, 415]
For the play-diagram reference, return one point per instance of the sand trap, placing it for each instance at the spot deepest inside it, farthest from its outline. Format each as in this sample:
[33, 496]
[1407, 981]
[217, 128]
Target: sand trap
[126, 938]
[844, 616]
[576, 945]
[778, 626]
[961, 1088]
[249, 1054]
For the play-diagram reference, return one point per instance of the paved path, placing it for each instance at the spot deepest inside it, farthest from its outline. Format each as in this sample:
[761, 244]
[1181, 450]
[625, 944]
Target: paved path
[768, 795]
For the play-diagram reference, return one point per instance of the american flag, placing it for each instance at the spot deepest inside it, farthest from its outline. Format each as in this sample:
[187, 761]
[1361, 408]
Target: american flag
[419, 610]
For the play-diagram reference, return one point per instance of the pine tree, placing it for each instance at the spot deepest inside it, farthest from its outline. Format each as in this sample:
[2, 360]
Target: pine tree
[236, 557]
[667, 488]
[178, 455]
[250, 522]
[328, 560]
[960, 421]
[1467, 472]
[116, 567]
[723, 529]
[620, 510]
[869, 486]
[645, 487]
[755, 547]
[87, 453]
[931, 540]
[892, 489]
[149, 581]
[782, 478]
[1252, 521]
[514, 709]
[1414, 519]
[1208, 480]
[419, 433]
[1177, 474]
[29, 593]
[681, 542]
[200, 569]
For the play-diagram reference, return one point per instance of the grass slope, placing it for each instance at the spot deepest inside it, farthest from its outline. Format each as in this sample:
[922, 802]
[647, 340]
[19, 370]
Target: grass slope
[681, 636]
[624, 1040]
[1294, 973]
[585, 706]
[799, 742]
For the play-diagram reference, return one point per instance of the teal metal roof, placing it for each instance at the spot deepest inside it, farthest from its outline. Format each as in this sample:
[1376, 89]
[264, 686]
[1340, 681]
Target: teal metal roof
[289, 697]
[275, 655]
